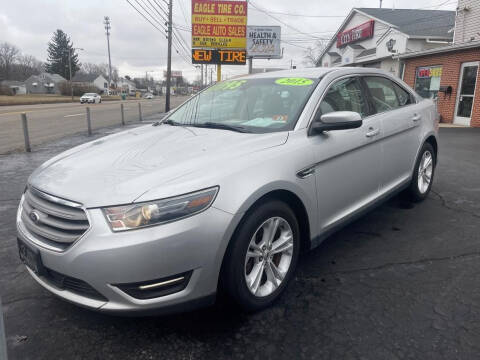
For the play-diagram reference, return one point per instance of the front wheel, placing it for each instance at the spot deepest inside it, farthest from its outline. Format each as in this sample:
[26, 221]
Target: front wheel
[423, 174]
[262, 257]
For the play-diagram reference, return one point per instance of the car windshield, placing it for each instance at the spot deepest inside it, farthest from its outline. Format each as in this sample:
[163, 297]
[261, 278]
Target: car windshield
[89, 94]
[250, 105]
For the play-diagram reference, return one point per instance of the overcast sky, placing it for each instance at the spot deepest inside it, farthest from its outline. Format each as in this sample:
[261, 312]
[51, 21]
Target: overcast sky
[137, 47]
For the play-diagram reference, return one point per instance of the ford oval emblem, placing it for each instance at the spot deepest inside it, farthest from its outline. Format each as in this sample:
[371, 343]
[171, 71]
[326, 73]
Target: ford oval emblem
[34, 216]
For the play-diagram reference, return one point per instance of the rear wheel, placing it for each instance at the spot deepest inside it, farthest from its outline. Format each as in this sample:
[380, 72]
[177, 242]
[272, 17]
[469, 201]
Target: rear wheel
[423, 174]
[262, 256]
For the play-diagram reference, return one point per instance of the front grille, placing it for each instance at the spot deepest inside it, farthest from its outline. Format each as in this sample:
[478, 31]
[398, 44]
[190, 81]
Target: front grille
[53, 221]
[73, 285]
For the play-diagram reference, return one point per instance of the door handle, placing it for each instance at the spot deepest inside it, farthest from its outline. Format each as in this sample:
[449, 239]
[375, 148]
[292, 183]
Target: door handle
[417, 117]
[372, 132]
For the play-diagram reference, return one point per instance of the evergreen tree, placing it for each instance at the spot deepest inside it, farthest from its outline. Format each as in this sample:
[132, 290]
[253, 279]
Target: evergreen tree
[57, 62]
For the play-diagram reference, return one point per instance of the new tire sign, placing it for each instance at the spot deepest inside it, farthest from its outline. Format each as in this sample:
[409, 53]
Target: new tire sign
[361, 32]
[219, 24]
[263, 42]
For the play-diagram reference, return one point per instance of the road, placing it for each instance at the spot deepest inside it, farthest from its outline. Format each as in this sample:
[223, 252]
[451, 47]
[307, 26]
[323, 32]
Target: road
[400, 283]
[53, 121]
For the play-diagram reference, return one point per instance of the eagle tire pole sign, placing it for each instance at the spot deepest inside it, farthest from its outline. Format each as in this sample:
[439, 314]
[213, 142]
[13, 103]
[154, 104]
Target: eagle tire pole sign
[219, 32]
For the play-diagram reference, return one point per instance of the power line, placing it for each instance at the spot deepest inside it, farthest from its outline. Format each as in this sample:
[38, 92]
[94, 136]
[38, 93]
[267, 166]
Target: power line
[182, 56]
[302, 15]
[184, 12]
[280, 21]
[156, 27]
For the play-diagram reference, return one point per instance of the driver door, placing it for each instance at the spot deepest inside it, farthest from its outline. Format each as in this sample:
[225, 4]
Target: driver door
[348, 162]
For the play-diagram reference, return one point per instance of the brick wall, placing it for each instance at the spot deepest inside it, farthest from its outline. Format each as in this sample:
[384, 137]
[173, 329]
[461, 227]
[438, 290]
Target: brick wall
[451, 63]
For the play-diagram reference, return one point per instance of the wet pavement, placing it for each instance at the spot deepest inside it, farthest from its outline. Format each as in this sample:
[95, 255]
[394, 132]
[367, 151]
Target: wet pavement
[400, 283]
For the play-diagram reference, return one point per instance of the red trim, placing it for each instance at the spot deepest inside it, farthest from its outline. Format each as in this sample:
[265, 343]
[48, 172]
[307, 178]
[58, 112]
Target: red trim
[360, 32]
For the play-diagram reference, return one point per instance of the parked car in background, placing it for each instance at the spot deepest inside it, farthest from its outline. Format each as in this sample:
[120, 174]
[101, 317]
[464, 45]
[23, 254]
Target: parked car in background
[226, 191]
[91, 98]
[148, 96]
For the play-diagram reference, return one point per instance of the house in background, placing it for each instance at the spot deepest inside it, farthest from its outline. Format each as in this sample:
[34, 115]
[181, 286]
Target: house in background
[451, 74]
[44, 83]
[17, 87]
[97, 81]
[371, 37]
[126, 86]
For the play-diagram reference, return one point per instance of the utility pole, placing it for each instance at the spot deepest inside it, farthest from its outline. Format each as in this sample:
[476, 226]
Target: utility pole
[70, 69]
[206, 75]
[169, 60]
[107, 28]
[201, 73]
[250, 65]
[381, 3]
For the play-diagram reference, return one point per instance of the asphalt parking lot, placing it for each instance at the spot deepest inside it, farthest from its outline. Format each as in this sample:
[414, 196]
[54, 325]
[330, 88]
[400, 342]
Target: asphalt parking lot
[400, 283]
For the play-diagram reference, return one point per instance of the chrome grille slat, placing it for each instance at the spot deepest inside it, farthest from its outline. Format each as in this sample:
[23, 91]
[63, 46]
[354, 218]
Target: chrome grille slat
[56, 222]
[54, 209]
[52, 222]
[50, 234]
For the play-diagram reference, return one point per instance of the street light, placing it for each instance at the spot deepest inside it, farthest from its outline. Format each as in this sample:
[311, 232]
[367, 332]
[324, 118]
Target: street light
[146, 77]
[70, 67]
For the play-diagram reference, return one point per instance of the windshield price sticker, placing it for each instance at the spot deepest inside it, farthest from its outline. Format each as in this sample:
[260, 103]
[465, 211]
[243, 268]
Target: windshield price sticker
[294, 81]
[229, 85]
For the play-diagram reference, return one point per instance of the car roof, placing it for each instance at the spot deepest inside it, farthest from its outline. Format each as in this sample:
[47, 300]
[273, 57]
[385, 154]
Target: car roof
[317, 72]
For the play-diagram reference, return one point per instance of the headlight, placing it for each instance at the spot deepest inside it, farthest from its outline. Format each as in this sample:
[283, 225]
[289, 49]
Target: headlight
[134, 216]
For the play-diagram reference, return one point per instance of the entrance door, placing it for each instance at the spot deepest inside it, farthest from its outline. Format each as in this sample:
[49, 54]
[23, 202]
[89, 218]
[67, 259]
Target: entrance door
[466, 93]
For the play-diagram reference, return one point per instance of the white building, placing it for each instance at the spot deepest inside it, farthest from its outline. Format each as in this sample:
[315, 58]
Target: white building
[371, 37]
[126, 86]
[467, 27]
[91, 80]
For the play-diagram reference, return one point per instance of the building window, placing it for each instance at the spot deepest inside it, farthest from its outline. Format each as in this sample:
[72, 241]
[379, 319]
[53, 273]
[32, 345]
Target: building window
[427, 81]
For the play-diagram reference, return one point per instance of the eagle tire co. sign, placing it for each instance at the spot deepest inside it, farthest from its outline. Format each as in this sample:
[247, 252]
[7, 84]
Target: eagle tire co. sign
[263, 42]
[219, 24]
[358, 33]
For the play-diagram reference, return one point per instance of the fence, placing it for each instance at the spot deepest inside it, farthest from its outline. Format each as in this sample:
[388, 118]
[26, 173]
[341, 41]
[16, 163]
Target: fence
[47, 122]
[88, 124]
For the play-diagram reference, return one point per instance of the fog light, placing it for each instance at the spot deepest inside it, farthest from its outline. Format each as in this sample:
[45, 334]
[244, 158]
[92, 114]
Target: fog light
[156, 288]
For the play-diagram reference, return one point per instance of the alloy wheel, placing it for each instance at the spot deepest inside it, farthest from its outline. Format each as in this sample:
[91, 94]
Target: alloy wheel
[425, 171]
[269, 256]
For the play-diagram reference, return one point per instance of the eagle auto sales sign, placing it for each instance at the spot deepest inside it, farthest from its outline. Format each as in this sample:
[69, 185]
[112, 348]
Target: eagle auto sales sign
[219, 24]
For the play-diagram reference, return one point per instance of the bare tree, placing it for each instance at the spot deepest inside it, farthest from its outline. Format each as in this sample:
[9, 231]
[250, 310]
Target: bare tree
[26, 66]
[313, 54]
[8, 55]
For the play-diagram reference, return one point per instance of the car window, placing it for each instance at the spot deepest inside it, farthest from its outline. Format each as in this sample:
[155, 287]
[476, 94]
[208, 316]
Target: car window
[345, 95]
[386, 95]
[256, 105]
[404, 97]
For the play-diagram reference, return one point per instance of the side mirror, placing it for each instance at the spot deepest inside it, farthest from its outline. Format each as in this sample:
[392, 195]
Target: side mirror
[337, 120]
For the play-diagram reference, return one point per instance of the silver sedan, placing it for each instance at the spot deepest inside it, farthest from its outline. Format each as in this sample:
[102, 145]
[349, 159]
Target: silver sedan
[226, 191]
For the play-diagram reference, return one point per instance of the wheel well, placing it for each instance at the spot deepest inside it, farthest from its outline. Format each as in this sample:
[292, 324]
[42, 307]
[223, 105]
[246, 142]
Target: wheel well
[298, 208]
[432, 141]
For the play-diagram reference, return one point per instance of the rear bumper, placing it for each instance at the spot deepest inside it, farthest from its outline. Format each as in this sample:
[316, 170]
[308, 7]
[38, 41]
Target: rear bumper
[102, 259]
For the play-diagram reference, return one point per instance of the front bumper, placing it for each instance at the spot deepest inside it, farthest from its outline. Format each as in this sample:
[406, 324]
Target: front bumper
[102, 259]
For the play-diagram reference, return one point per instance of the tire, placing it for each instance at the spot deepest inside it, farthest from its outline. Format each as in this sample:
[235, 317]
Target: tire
[420, 186]
[237, 266]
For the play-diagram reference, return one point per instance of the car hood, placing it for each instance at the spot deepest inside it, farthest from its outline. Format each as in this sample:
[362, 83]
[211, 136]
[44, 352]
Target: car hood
[119, 168]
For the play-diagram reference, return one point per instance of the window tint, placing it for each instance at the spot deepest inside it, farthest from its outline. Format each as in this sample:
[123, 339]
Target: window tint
[344, 95]
[386, 95]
